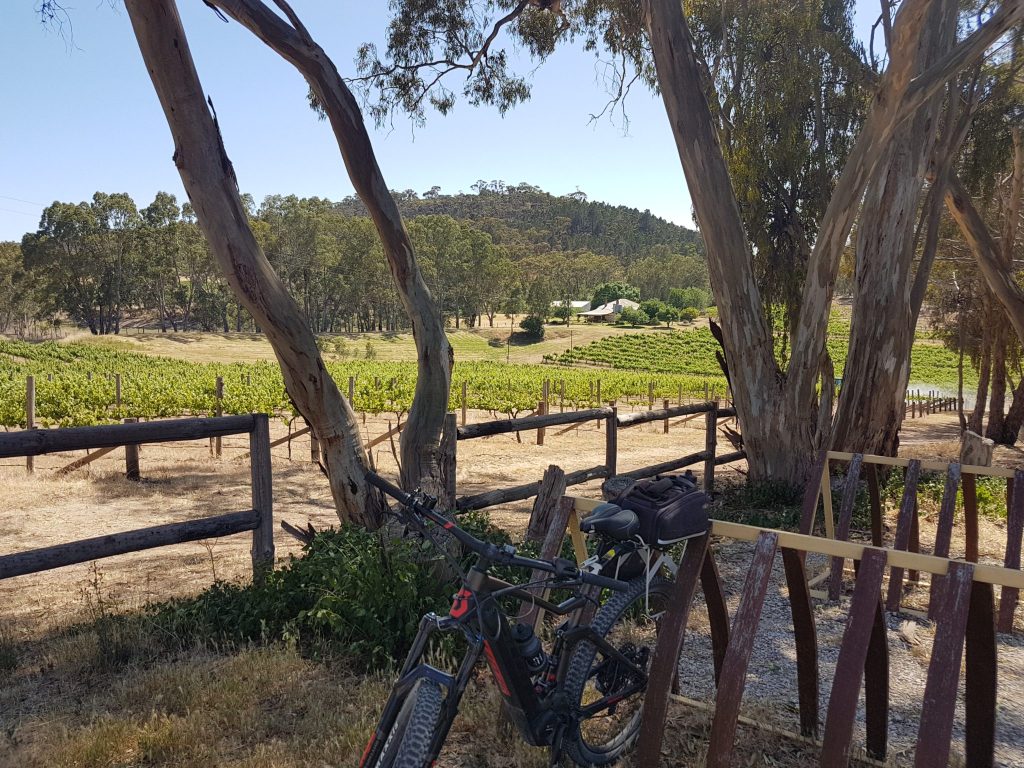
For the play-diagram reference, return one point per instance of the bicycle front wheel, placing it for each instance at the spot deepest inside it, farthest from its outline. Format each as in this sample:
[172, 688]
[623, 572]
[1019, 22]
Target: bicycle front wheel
[408, 741]
[628, 621]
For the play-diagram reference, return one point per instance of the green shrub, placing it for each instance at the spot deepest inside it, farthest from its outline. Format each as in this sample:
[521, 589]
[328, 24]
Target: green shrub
[633, 317]
[371, 351]
[351, 591]
[688, 314]
[533, 325]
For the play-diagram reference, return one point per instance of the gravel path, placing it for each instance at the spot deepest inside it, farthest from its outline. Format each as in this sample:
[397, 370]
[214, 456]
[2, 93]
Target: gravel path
[770, 695]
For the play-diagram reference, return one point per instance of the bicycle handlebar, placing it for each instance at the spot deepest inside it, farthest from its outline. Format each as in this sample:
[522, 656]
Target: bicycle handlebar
[560, 567]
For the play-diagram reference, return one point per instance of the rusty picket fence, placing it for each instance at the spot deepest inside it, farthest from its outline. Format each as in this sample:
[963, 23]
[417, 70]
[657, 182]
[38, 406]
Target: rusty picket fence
[965, 617]
[907, 535]
[258, 518]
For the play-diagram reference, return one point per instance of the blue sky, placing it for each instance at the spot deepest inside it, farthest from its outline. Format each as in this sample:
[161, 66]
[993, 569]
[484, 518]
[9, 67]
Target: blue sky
[79, 115]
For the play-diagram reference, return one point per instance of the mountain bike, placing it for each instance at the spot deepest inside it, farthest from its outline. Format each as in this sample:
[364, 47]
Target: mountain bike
[582, 698]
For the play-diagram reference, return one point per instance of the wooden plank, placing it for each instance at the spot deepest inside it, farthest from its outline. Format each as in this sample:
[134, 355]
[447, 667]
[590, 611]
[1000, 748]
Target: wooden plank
[504, 426]
[579, 541]
[729, 458]
[929, 465]
[812, 492]
[672, 412]
[845, 518]
[261, 475]
[671, 633]
[39, 441]
[79, 463]
[980, 678]
[710, 439]
[46, 558]
[380, 438]
[903, 525]
[667, 466]
[551, 491]
[875, 497]
[826, 502]
[550, 549]
[611, 442]
[944, 532]
[970, 490]
[939, 707]
[1009, 597]
[853, 655]
[30, 417]
[805, 635]
[520, 492]
[131, 457]
[737, 655]
[876, 686]
[718, 611]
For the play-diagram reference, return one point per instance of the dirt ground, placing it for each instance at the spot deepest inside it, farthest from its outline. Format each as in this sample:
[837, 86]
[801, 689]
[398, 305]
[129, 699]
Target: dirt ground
[182, 481]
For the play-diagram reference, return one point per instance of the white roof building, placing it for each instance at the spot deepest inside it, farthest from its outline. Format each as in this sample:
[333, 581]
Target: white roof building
[611, 308]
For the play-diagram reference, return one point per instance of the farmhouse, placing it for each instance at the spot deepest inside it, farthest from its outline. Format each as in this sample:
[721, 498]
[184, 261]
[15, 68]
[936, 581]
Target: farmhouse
[610, 311]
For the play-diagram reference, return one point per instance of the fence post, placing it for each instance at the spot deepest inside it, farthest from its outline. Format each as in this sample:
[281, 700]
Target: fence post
[131, 458]
[542, 410]
[611, 441]
[465, 387]
[262, 497]
[650, 396]
[215, 444]
[710, 442]
[666, 418]
[30, 417]
[351, 392]
[117, 390]
[561, 397]
[598, 401]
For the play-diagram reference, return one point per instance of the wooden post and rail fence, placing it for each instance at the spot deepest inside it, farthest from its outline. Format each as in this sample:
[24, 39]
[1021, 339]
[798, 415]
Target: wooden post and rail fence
[613, 424]
[258, 518]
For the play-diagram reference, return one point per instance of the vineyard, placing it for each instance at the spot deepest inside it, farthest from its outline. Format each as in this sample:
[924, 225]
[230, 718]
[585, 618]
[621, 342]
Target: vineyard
[76, 385]
[693, 352]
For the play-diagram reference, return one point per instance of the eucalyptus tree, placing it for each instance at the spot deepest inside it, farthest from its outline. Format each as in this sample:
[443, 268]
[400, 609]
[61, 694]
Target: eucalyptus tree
[212, 187]
[784, 405]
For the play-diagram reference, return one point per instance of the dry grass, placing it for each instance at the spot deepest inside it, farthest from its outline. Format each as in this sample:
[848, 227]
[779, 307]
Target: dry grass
[484, 343]
[77, 690]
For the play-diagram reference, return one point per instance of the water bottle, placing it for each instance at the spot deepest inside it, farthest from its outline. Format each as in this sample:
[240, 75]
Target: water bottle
[529, 648]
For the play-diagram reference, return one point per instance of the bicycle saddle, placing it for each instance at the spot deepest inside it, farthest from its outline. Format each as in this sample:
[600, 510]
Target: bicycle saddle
[611, 520]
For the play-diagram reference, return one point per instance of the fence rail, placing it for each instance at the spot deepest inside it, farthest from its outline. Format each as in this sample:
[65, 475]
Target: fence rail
[613, 422]
[258, 519]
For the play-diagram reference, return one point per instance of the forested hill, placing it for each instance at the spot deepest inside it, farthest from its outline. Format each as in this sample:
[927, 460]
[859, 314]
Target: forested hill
[524, 214]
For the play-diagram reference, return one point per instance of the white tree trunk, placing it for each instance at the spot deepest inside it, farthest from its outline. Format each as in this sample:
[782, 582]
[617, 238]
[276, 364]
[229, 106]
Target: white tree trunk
[212, 188]
[291, 40]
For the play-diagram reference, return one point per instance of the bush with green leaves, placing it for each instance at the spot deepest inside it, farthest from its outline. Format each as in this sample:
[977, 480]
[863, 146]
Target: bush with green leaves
[633, 317]
[533, 326]
[688, 314]
[352, 591]
[689, 298]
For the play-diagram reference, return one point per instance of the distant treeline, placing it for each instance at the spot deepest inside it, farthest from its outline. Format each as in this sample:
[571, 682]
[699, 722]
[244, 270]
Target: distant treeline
[504, 250]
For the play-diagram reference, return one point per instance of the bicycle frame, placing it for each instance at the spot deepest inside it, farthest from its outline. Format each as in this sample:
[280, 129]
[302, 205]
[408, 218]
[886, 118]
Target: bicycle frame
[541, 719]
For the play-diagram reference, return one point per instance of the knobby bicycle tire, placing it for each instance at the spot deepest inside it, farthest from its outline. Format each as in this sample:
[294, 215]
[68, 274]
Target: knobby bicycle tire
[620, 609]
[408, 741]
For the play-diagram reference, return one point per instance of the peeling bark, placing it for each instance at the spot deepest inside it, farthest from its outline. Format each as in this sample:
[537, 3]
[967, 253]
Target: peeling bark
[212, 188]
[292, 41]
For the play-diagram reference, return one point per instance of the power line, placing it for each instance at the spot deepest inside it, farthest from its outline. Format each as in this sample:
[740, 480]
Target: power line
[19, 200]
[20, 213]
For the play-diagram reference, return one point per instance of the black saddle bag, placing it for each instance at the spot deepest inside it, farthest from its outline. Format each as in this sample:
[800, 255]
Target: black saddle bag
[670, 508]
